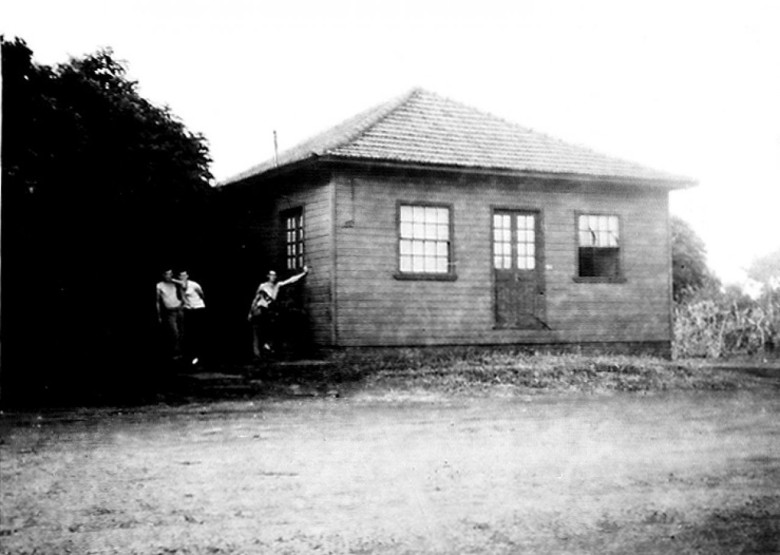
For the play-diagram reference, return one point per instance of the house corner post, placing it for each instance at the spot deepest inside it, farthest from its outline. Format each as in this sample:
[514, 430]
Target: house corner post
[334, 324]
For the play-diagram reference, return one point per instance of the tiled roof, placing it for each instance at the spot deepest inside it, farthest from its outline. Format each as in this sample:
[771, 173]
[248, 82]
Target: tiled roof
[423, 128]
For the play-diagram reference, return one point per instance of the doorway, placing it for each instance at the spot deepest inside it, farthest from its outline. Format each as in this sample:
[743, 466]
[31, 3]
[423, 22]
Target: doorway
[517, 270]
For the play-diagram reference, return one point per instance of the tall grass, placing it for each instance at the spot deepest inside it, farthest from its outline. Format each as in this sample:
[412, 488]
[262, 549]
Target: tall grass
[715, 323]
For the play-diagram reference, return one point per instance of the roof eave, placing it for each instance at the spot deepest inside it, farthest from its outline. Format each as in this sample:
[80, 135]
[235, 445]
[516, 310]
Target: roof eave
[674, 182]
[271, 173]
[312, 159]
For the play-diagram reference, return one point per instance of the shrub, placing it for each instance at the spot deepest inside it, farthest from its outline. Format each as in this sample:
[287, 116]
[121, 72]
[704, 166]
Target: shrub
[715, 323]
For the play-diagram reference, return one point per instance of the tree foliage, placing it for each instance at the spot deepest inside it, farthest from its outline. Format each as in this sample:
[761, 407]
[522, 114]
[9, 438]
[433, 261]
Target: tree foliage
[766, 269]
[101, 188]
[689, 260]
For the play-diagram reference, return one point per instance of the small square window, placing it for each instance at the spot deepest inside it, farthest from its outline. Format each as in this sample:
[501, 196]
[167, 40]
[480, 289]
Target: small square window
[599, 246]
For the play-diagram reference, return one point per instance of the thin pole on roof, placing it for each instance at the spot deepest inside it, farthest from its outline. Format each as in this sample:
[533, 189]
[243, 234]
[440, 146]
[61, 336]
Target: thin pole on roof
[276, 151]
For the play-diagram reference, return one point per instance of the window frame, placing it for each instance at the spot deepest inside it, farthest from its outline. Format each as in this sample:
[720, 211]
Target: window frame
[296, 212]
[619, 277]
[450, 274]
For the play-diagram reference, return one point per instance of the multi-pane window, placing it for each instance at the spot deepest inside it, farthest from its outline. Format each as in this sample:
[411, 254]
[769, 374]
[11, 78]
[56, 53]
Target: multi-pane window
[502, 241]
[524, 240]
[424, 239]
[599, 246]
[293, 228]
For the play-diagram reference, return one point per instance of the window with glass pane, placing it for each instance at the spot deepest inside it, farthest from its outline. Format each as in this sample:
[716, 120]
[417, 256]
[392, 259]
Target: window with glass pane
[526, 242]
[294, 240]
[502, 241]
[599, 246]
[424, 239]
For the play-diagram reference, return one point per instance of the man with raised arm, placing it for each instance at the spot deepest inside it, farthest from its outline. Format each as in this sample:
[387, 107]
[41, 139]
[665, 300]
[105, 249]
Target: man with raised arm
[262, 312]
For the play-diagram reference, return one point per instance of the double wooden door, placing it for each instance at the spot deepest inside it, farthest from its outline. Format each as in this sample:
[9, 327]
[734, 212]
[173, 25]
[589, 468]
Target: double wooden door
[517, 270]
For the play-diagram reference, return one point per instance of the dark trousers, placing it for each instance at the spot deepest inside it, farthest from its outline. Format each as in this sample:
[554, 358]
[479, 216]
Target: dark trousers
[172, 327]
[263, 332]
[194, 338]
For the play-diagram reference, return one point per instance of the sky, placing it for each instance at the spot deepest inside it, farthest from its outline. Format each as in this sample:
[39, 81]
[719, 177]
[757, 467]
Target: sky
[687, 87]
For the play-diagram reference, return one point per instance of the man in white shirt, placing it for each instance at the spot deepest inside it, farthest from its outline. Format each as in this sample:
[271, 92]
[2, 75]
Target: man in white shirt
[194, 303]
[169, 313]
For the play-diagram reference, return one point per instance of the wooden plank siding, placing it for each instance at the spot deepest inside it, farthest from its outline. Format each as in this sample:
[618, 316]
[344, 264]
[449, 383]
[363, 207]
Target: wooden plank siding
[375, 309]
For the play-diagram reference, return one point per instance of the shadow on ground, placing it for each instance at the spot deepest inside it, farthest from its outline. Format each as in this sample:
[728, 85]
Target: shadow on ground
[183, 383]
[448, 372]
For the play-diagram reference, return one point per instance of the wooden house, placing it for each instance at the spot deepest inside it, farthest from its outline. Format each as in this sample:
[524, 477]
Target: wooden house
[428, 222]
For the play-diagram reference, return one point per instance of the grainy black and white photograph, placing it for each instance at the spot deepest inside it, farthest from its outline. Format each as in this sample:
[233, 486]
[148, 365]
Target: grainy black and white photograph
[409, 277]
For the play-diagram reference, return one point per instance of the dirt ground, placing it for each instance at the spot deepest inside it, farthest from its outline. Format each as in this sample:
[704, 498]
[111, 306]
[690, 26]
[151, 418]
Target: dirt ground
[684, 472]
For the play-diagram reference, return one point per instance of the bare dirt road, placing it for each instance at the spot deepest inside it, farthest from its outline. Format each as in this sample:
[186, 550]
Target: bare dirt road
[692, 472]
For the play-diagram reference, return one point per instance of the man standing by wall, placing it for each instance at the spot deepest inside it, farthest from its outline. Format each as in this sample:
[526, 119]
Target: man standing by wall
[262, 312]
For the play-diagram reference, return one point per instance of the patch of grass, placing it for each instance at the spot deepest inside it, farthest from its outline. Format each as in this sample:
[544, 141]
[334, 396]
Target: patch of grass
[479, 370]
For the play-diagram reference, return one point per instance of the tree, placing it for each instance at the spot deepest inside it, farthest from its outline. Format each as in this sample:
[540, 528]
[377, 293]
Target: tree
[689, 260]
[101, 188]
[766, 269]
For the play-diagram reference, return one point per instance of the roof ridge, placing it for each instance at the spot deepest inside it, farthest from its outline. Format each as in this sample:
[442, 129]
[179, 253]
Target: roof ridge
[480, 111]
[308, 147]
[383, 111]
